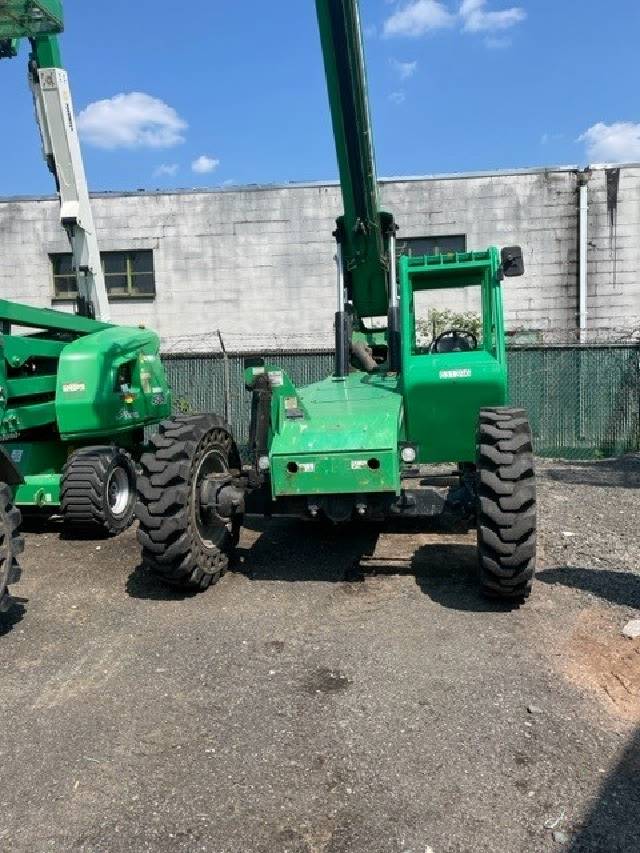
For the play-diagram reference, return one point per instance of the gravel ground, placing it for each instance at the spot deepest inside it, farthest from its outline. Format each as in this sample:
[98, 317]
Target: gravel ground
[340, 691]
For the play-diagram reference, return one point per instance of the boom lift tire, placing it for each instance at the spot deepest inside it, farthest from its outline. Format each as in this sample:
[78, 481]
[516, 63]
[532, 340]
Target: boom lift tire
[11, 544]
[182, 543]
[506, 511]
[98, 493]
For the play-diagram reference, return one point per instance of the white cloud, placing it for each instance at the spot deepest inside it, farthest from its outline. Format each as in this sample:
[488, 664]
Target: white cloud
[204, 165]
[476, 18]
[397, 97]
[612, 143]
[132, 120]
[166, 170]
[405, 70]
[418, 17]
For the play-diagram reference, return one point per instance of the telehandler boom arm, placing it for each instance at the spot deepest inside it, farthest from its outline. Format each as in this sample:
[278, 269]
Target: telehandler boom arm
[364, 230]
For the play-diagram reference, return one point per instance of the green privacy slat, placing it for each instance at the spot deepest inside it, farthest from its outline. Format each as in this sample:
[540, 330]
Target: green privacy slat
[583, 402]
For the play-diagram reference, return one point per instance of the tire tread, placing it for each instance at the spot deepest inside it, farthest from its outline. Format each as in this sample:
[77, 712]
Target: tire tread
[170, 549]
[84, 480]
[506, 504]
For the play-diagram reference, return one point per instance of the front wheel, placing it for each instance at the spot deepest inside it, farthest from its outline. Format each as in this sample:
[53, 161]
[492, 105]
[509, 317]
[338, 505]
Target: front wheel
[506, 509]
[11, 545]
[185, 541]
[98, 492]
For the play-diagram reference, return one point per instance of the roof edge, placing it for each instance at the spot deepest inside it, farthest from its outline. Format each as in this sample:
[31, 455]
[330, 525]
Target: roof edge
[398, 179]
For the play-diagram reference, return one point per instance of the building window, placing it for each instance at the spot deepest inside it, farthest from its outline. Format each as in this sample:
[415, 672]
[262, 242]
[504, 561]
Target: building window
[64, 282]
[443, 245]
[127, 275]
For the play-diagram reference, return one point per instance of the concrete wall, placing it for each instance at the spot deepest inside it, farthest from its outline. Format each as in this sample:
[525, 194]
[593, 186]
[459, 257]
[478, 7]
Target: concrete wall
[257, 264]
[614, 248]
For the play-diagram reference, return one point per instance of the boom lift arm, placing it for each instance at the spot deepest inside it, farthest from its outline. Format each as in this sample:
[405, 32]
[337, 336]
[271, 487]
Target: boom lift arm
[41, 22]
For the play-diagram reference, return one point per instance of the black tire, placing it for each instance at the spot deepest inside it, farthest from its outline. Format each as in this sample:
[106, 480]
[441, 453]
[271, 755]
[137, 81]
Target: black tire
[11, 545]
[99, 488]
[178, 545]
[506, 510]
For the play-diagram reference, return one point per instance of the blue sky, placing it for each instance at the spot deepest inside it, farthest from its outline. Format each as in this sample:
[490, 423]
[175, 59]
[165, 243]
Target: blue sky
[234, 92]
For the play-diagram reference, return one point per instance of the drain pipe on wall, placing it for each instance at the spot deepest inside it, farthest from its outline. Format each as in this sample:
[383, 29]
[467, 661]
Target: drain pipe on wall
[583, 246]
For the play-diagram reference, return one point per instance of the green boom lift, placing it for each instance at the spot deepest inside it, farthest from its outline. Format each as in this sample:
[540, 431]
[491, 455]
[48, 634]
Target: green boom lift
[360, 443]
[76, 392]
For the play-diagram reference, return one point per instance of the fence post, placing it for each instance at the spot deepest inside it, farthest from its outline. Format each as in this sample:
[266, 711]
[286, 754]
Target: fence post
[227, 380]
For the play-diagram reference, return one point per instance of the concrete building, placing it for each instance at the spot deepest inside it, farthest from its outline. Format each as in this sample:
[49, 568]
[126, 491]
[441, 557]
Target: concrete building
[257, 262]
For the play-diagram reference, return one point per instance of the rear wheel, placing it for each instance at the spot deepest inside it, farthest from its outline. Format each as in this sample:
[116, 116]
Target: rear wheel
[506, 509]
[99, 491]
[184, 541]
[11, 545]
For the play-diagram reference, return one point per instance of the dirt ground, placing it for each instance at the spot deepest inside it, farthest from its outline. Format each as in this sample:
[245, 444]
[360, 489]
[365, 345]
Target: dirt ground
[341, 691]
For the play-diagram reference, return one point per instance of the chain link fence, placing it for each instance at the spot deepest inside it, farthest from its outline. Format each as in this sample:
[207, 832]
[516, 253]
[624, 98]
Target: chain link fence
[583, 400]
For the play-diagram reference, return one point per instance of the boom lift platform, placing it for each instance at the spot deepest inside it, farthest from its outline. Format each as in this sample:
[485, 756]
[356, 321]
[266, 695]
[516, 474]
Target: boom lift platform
[357, 443]
[75, 391]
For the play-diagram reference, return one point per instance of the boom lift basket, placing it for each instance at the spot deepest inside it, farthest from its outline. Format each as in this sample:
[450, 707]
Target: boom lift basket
[30, 18]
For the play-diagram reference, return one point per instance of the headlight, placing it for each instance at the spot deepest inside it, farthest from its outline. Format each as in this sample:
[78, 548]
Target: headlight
[408, 454]
[263, 463]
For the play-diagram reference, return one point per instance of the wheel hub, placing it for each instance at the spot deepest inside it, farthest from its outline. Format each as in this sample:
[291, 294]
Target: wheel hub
[118, 491]
[211, 474]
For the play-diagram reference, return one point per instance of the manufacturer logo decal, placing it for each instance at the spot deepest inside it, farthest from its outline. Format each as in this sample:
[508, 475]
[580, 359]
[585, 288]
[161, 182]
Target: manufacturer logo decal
[74, 388]
[455, 374]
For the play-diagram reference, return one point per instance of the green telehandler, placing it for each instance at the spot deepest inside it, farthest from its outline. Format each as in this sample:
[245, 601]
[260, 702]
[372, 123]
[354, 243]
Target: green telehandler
[365, 442]
[76, 392]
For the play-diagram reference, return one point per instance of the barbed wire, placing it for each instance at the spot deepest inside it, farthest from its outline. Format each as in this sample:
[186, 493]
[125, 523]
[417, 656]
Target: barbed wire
[598, 336]
[217, 342]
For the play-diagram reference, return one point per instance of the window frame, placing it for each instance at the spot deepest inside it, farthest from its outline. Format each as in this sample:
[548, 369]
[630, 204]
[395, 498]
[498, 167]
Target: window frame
[129, 272]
